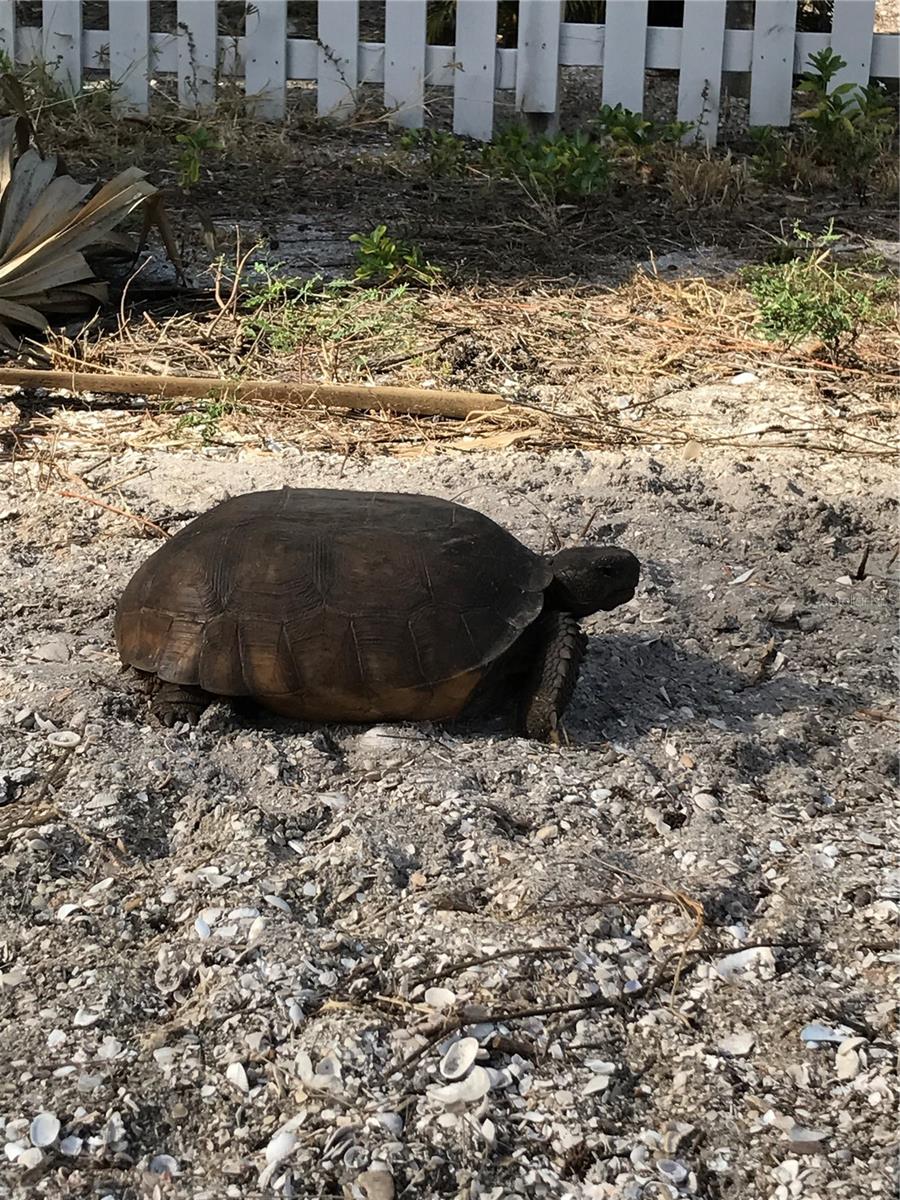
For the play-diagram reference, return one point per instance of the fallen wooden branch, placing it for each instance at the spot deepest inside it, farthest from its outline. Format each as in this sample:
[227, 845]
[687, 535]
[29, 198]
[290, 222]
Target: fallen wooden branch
[421, 402]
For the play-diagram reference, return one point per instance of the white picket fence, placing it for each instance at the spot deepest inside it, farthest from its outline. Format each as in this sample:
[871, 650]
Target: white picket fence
[475, 69]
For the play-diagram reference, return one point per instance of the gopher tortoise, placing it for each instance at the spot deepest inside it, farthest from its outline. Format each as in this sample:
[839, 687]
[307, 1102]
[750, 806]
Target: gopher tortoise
[327, 605]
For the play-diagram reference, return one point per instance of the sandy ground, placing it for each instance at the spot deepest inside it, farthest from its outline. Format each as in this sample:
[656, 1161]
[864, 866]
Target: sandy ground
[662, 958]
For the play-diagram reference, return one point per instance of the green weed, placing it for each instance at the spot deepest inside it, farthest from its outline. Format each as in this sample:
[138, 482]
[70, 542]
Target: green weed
[207, 416]
[194, 146]
[810, 295]
[333, 317]
[382, 259]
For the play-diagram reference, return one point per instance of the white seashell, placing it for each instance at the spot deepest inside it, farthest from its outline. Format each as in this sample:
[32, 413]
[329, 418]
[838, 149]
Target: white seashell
[84, 1017]
[30, 1158]
[64, 739]
[236, 1075]
[110, 1047]
[846, 1062]
[71, 1146]
[164, 1164]
[66, 910]
[202, 929]
[599, 1083]
[805, 1140]
[280, 1146]
[817, 1032]
[277, 902]
[459, 1058]
[600, 1067]
[376, 1185]
[474, 1087]
[13, 1150]
[55, 1038]
[672, 1170]
[256, 930]
[738, 1045]
[732, 966]
[438, 997]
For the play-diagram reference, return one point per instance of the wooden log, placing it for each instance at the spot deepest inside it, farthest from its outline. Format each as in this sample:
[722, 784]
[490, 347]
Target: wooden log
[412, 401]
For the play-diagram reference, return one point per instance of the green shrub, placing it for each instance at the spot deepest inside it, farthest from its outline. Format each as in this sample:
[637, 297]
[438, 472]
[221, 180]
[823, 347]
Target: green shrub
[810, 295]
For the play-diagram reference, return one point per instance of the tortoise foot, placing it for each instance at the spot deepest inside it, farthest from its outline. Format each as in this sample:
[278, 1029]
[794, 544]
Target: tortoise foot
[172, 704]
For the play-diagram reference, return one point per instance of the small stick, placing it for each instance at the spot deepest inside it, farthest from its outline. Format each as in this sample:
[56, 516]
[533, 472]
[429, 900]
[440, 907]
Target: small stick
[120, 512]
[516, 952]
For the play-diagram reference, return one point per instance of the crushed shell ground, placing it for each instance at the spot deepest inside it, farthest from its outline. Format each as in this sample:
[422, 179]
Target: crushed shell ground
[660, 961]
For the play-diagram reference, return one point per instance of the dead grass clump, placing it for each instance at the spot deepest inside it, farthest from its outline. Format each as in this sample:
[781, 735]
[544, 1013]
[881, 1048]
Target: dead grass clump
[701, 181]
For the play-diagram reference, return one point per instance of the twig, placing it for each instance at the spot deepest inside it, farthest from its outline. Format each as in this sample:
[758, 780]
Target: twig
[516, 952]
[120, 512]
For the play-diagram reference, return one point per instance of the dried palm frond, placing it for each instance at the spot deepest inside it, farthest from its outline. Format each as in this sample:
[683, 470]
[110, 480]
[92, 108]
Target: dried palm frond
[48, 224]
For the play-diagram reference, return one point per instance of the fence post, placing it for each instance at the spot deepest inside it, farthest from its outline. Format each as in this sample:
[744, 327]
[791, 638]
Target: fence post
[700, 75]
[404, 61]
[198, 44]
[338, 58]
[61, 42]
[772, 71]
[8, 30]
[265, 57]
[852, 28]
[537, 62]
[130, 64]
[476, 67]
[625, 53]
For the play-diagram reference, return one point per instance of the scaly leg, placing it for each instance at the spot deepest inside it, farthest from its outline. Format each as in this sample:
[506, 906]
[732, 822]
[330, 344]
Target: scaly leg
[557, 660]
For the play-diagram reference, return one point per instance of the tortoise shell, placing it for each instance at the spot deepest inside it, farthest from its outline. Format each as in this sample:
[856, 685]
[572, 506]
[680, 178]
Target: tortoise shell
[333, 605]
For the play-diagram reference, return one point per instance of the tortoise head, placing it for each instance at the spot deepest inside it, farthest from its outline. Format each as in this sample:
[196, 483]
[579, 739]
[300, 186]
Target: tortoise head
[589, 578]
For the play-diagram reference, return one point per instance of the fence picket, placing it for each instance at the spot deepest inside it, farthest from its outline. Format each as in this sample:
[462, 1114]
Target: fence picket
[404, 62]
[338, 58]
[61, 42]
[130, 62]
[537, 60]
[8, 29]
[626, 48]
[700, 78]
[197, 52]
[623, 71]
[772, 71]
[851, 38]
[476, 58]
[265, 57]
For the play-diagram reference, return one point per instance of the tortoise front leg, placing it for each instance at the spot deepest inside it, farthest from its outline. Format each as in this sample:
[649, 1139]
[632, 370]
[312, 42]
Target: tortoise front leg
[557, 661]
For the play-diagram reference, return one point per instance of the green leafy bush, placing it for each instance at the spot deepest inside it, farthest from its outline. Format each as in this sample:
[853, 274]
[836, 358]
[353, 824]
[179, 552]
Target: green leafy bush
[383, 260]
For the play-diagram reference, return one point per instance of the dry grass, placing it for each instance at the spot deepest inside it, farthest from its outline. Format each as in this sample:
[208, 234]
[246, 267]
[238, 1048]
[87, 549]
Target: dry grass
[573, 354]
